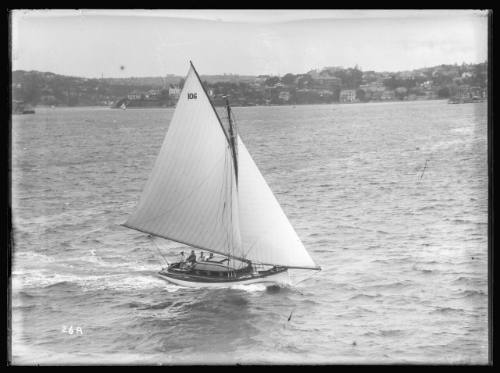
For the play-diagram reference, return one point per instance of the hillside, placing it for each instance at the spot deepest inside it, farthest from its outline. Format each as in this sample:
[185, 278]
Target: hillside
[327, 85]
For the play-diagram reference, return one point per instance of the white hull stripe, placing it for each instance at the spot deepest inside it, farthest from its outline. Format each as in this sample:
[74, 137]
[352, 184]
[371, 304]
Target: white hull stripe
[274, 279]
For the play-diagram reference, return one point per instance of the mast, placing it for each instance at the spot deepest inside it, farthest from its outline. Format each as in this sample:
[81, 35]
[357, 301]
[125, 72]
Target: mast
[232, 139]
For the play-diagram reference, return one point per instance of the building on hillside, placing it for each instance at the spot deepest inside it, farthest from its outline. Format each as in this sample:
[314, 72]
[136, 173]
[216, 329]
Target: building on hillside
[369, 76]
[174, 92]
[153, 94]
[324, 79]
[347, 95]
[406, 75]
[134, 95]
[388, 95]
[464, 91]
[284, 96]
[426, 85]
[477, 92]
[429, 95]
[373, 87]
[325, 93]
[329, 81]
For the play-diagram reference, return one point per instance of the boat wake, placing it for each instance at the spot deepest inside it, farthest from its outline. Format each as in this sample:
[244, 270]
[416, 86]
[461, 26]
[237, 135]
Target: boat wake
[117, 282]
[251, 288]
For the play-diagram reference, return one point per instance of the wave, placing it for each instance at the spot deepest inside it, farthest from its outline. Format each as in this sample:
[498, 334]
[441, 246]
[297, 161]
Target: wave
[24, 307]
[385, 333]
[94, 258]
[425, 208]
[446, 310]
[32, 256]
[343, 226]
[132, 304]
[391, 285]
[391, 333]
[466, 280]
[158, 306]
[119, 282]
[25, 295]
[426, 270]
[39, 280]
[471, 293]
[364, 296]
[461, 221]
[60, 284]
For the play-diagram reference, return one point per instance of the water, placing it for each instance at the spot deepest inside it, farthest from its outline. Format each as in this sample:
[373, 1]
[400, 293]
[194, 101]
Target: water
[404, 250]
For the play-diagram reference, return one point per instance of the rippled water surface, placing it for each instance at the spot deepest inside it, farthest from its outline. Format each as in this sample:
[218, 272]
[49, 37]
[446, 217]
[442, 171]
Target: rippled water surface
[403, 249]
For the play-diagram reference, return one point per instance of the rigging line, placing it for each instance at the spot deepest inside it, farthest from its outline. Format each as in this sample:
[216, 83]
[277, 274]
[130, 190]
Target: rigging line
[195, 188]
[219, 214]
[307, 278]
[159, 252]
[224, 211]
[220, 208]
[425, 166]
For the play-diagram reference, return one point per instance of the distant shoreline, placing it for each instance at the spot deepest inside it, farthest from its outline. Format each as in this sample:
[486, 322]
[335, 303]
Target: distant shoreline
[241, 106]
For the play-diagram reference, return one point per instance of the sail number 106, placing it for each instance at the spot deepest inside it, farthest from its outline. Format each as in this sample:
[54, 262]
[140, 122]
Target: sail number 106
[191, 96]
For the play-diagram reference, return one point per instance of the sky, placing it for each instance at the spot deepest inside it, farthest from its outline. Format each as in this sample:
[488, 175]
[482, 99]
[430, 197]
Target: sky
[121, 43]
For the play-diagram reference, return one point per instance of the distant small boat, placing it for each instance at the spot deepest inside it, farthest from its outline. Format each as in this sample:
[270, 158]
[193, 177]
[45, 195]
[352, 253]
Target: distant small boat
[205, 191]
[123, 106]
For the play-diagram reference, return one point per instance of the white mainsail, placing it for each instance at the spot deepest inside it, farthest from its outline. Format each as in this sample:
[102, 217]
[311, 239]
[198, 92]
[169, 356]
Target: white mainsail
[192, 196]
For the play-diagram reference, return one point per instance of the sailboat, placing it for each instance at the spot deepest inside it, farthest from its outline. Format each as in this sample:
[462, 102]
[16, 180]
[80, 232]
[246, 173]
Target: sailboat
[206, 192]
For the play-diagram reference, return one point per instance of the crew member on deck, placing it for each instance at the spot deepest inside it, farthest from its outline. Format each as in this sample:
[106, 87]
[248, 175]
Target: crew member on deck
[252, 269]
[202, 257]
[182, 260]
[191, 258]
[210, 257]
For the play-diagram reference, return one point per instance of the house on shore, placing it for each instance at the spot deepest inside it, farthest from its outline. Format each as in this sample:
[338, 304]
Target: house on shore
[174, 92]
[347, 95]
[284, 96]
[134, 95]
[388, 95]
